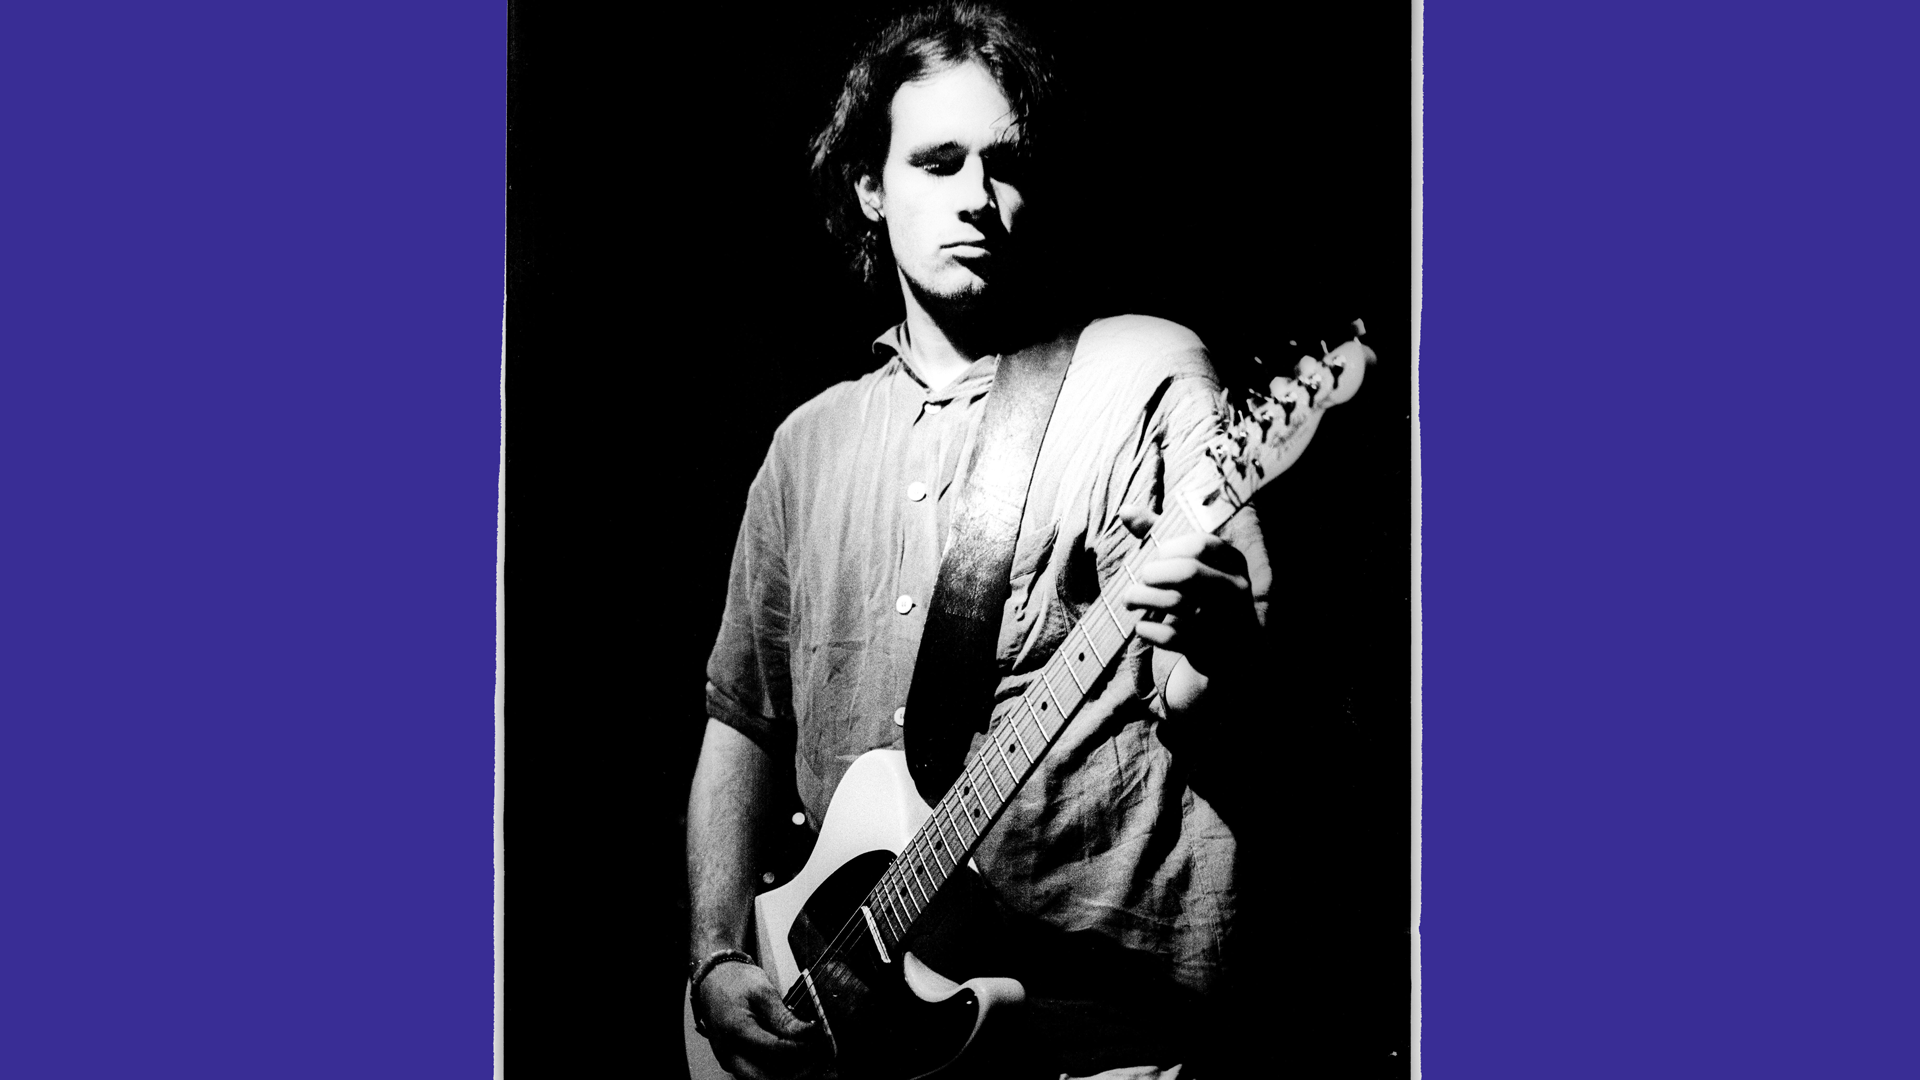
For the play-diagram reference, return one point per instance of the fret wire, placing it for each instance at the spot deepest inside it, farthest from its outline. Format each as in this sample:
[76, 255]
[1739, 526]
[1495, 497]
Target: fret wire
[903, 914]
[1072, 691]
[890, 919]
[1012, 769]
[979, 824]
[1016, 770]
[1098, 651]
[930, 860]
[887, 890]
[1091, 644]
[1000, 736]
[1093, 651]
[879, 920]
[916, 903]
[948, 815]
[1024, 715]
[904, 861]
[940, 835]
[918, 868]
[1048, 687]
[987, 767]
[959, 803]
[956, 817]
[1043, 724]
[1104, 643]
[877, 903]
[1066, 650]
[903, 894]
[1013, 721]
[916, 873]
[999, 797]
[997, 793]
[882, 917]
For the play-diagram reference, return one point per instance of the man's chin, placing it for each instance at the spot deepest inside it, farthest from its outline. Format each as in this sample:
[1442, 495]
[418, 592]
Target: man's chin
[956, 290]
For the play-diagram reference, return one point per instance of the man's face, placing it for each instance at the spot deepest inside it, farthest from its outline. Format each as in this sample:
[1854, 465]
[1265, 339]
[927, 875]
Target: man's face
[948, 193]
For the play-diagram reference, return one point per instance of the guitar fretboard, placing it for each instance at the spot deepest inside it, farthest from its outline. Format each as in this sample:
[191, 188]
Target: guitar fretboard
[1022, 736]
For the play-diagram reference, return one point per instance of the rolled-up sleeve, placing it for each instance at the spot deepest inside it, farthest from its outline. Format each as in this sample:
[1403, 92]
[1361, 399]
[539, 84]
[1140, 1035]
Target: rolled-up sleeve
[748, 684]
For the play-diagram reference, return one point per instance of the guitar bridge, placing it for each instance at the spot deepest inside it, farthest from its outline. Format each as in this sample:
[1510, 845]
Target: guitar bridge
[806, 979]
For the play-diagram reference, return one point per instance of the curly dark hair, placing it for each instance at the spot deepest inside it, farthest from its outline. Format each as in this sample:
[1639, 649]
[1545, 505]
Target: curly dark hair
[918, 44]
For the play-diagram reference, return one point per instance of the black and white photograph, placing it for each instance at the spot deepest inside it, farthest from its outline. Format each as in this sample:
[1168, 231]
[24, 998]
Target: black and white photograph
[1023, 696]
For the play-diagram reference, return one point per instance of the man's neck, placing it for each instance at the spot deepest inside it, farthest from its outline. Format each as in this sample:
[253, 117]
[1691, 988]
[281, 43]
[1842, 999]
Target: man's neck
[937, 356]
[945, 340]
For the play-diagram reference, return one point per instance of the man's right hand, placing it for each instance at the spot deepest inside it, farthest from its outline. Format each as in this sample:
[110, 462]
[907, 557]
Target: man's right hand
[754, 1035]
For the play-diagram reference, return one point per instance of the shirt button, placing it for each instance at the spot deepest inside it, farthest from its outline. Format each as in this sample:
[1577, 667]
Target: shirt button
[900, 716]
[934, 407]
[916, 491]
[904, 604]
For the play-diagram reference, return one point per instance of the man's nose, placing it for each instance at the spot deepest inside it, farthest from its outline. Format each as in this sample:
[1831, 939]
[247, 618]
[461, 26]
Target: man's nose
[976, 186]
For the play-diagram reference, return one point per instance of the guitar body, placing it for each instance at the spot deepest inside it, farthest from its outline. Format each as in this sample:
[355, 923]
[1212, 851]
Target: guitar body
[887, 1016]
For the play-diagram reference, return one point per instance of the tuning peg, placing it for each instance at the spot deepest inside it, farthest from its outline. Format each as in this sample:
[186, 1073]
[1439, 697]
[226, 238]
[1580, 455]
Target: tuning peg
[1359, 328]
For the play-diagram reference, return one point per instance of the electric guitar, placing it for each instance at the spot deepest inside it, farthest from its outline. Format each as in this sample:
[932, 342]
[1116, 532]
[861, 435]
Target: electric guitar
[839, 935]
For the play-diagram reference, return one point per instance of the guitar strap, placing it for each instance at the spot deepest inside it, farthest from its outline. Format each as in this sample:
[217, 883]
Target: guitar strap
[955, 673]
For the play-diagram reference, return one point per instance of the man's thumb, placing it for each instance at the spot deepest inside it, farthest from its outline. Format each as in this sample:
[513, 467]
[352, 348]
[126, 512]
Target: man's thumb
[774, 1013]
[1138, 519]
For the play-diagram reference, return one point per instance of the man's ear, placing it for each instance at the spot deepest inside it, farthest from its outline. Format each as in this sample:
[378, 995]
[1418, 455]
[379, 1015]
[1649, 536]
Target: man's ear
[872, 202]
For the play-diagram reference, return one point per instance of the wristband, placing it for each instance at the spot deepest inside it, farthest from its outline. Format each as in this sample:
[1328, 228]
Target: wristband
[698, 971]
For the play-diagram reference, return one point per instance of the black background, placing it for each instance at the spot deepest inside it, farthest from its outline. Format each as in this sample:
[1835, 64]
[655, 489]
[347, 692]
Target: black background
[672, 295]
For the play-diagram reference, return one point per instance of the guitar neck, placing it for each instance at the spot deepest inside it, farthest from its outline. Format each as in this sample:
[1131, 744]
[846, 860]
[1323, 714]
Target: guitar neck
[1253, 447]
[1017, 743]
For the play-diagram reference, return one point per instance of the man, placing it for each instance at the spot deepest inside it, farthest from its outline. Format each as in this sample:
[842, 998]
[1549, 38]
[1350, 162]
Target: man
[1112, 867]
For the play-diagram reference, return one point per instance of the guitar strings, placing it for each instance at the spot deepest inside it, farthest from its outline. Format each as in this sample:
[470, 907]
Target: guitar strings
[1173, 517]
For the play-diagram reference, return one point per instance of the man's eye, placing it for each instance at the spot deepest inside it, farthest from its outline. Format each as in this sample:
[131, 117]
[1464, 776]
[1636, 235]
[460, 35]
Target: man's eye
[942, 166]
[1009, 167]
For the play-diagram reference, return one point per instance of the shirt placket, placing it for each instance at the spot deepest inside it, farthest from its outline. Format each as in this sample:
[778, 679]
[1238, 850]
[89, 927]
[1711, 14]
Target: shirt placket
[913, 483]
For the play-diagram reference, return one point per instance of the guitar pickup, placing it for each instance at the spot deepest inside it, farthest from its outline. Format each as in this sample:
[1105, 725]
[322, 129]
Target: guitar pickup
[873, 931]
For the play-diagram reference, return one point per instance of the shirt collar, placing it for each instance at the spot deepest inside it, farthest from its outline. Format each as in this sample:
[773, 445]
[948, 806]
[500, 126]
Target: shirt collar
[893, 344]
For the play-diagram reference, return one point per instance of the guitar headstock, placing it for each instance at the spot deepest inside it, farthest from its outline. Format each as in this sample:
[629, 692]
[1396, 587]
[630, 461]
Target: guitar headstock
[1262, 439]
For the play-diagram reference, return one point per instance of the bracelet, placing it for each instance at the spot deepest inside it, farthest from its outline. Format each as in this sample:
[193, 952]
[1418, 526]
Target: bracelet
[698, 971]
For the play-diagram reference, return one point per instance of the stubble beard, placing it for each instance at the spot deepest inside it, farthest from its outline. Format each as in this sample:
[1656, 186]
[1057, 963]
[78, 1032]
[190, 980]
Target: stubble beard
[969, 308]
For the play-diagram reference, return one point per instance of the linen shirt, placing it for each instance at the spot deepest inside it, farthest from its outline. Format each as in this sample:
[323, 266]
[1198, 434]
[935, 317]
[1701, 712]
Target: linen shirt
[837, 557]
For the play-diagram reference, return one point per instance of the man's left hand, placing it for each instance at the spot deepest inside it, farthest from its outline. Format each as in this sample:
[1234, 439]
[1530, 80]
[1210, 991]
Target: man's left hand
[1196, 599]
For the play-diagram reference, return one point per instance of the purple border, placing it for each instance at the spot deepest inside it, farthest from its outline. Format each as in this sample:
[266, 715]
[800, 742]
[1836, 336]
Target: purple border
[1669, 536]
[252, 329]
